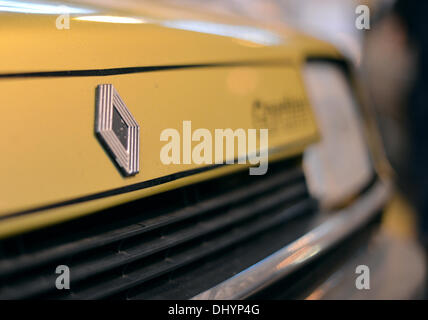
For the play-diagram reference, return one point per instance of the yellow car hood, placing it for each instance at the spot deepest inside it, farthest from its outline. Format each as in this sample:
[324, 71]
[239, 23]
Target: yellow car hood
[149, 35]
[168, 66]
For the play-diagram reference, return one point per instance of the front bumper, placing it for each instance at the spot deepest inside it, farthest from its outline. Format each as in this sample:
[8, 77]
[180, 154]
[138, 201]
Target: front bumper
[336, 227]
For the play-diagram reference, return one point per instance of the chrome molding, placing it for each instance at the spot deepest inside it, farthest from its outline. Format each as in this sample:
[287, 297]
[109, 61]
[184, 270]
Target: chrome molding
[117, 129]
[303, 250]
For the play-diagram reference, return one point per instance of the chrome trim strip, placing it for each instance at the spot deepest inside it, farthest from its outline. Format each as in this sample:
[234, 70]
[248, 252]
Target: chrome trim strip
[303, 250]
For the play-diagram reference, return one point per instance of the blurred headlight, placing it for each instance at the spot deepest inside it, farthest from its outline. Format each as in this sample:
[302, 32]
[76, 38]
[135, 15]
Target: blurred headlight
[339, 165]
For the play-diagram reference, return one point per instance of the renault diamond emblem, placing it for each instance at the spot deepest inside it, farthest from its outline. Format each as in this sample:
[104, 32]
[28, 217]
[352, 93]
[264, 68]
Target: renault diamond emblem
[117, 129]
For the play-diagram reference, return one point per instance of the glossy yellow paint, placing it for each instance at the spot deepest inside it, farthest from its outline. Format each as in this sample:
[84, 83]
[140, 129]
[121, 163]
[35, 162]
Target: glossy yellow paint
[50, 152]
[33, 42]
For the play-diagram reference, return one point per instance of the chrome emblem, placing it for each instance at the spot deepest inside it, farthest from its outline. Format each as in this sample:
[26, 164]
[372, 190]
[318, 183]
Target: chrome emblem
[117, 129]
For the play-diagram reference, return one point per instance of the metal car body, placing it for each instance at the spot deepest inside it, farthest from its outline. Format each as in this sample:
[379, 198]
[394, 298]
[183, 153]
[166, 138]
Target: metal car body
[182, 230]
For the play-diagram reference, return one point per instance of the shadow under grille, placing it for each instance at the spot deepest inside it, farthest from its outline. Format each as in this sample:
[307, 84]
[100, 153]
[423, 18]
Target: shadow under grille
[116, 250]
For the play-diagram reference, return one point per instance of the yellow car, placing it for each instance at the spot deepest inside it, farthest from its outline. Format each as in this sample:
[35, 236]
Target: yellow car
[157, 151]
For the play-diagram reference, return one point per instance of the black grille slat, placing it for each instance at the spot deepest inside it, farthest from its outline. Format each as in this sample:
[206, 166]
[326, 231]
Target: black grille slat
[106, 289]
[143, 248]
[118, 249]
[19, 263]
